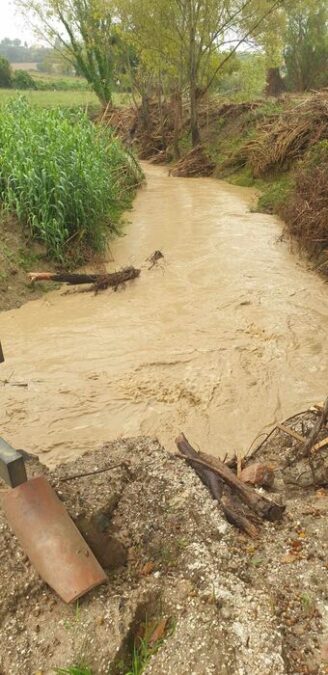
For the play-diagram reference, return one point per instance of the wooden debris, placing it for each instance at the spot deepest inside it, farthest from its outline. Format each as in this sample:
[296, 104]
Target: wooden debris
[310, 441]
[291, 432]
[195, 163]
[320, 445]
[154, 258]
[98, 281]
[242, 505]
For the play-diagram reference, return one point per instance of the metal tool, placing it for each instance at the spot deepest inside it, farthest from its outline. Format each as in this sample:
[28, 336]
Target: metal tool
[12, 466]
[45, 531]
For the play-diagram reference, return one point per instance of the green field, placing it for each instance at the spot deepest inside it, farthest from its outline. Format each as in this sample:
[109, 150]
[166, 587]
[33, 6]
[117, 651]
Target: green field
[70, 98]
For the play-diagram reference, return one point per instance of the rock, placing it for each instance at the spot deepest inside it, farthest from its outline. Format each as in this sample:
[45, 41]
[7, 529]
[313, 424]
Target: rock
[258, 474]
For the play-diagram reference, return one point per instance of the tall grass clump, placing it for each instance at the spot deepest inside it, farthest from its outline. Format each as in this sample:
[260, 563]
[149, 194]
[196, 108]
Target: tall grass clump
[66, 179]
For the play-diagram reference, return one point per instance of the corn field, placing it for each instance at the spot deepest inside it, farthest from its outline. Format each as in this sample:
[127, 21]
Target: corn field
[66, 179]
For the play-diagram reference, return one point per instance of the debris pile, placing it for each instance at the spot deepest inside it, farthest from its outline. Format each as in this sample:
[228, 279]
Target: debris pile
[306, 210]
[194, 163]
[281, 142]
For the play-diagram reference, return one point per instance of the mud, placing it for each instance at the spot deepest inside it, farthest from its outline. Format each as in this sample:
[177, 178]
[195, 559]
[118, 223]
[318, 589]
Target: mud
[221, 339]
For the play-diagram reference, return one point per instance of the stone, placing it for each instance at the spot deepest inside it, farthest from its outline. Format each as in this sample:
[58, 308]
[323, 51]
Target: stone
[258, 474]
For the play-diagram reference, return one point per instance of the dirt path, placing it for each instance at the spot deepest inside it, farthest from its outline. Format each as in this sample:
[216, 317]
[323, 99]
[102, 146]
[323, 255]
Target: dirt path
[221, 340]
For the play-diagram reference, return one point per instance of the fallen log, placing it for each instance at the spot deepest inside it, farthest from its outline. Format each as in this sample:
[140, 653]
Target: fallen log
[98, 281]
[217, 477]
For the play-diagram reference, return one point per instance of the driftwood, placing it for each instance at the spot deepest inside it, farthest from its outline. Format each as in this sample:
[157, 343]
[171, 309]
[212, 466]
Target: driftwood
[154, 258]
[310, 441]
[242, 505]
[98, 281]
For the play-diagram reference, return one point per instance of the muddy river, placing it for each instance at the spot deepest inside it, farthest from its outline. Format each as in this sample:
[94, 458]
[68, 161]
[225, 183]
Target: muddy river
[221, 340]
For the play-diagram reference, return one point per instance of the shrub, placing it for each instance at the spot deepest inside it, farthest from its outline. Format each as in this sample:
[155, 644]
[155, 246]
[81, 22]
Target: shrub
[5, 73]
[67, 180]
[23, 80]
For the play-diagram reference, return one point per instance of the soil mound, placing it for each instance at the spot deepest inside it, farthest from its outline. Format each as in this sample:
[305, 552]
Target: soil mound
[221, 602]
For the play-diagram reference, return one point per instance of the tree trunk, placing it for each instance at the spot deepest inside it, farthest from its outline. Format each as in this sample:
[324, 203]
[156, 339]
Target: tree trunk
[275, 84]
[194, 127]
[176, 103]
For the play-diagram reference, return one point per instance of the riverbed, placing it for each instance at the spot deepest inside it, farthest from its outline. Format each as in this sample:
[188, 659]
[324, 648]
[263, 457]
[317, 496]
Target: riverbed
[223, 338]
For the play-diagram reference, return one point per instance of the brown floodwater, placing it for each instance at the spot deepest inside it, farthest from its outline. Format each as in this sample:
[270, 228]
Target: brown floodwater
[222, 340]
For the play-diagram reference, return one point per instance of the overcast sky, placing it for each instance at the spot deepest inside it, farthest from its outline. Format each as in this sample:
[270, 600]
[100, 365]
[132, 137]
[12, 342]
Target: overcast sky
[12, 25]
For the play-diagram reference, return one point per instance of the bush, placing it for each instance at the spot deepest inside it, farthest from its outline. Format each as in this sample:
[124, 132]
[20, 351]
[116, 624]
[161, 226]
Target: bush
[67, 180]
[5, 73]
[23, 80]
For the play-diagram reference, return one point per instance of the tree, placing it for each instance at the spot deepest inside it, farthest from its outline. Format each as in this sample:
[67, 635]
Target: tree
[5, 73]
[306, 50]
[84, 30]
[186, 42]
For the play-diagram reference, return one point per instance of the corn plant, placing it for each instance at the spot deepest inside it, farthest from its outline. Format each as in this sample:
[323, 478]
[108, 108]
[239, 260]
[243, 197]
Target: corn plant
[66, 179]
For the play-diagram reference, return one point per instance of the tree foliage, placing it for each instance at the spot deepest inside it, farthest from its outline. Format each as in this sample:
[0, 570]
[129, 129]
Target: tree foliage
[306, 46]
[85, 31]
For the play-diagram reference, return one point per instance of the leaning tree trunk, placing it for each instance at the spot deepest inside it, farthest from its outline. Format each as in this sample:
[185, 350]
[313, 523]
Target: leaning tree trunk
[275, 84]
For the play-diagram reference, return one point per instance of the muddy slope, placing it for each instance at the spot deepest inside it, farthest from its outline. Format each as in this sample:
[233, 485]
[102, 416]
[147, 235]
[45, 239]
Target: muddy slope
[17, 256]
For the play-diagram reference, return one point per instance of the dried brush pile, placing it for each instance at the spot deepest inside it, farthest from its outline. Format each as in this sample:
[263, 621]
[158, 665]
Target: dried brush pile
[306, 210]
[195, 163]
[150, 128]
[283, 141]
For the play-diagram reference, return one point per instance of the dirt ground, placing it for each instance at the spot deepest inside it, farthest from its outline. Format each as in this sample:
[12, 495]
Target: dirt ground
[232, 604]
[17, 256]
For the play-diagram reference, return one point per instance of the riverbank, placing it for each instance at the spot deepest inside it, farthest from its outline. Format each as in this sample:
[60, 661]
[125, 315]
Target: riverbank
[276, 145]
[17, 257]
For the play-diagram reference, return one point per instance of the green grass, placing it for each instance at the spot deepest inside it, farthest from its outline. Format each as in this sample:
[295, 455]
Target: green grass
[66, 179]
[275, 193]
[74, 670]
[61, 99]
[48, 99]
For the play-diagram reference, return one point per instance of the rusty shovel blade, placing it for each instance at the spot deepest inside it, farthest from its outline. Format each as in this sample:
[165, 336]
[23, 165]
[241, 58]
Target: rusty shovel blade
[50, 539]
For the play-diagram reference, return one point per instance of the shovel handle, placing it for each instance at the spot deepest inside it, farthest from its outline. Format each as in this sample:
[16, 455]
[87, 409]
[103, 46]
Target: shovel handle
[12, 466]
